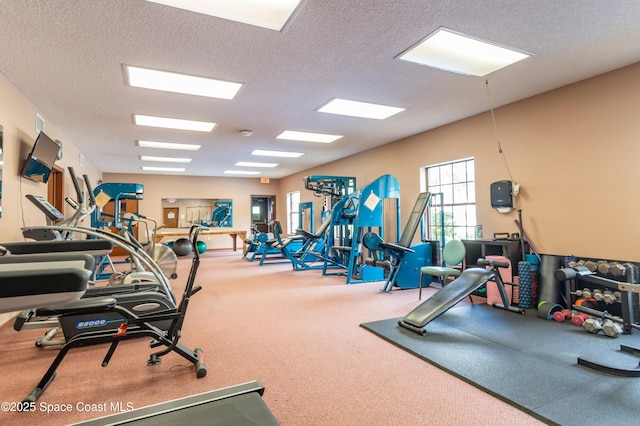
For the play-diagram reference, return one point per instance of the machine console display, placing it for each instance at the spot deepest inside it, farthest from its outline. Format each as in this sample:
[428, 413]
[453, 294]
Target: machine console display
[46, 207]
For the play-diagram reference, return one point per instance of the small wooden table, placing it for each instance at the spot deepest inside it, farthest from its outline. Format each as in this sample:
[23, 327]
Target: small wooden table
[184, 232]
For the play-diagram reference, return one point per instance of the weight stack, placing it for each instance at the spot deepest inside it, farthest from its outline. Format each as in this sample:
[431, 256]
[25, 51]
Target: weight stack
[525, 289]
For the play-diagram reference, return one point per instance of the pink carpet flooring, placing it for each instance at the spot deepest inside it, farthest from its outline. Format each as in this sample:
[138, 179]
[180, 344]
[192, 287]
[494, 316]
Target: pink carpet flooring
[296, 332]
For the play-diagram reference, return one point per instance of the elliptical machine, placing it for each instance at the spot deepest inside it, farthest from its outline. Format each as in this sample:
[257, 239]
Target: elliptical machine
[148, 289]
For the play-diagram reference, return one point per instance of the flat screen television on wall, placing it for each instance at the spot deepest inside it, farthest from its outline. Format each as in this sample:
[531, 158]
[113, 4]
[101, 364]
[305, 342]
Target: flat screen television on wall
[41, 159]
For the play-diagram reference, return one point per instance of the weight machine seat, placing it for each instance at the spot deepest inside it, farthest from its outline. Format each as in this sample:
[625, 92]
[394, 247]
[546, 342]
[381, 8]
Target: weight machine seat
[372, 241]
[94, 247]
[32, 280]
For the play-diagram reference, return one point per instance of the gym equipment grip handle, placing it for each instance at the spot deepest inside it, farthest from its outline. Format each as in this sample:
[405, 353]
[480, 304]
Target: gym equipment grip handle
[492, 262]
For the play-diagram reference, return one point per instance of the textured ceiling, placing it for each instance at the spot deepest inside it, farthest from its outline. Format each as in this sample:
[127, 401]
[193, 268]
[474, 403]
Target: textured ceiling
[67, 56]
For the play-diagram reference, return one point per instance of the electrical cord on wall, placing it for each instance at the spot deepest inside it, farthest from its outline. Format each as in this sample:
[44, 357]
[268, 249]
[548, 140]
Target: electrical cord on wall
[497, 135]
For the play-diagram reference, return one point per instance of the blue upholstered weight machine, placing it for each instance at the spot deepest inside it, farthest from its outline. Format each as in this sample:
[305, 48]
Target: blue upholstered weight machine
[221, 215]
[402, 260]
[116, 192]
[374, 208]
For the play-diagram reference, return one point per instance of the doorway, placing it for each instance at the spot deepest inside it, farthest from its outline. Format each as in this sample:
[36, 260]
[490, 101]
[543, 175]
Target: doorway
[55, 188]
[263, 212]
[170, 216]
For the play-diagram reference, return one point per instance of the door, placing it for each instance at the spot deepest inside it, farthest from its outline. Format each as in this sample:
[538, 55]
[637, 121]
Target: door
[55, 188]
[263, 212]
[126, 206]
[170, 217]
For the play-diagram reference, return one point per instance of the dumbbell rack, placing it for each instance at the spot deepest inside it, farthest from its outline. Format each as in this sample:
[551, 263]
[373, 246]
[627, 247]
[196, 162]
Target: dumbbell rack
[610, 289]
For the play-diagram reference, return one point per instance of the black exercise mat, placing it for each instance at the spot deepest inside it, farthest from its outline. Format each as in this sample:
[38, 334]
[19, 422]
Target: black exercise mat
[528, 362]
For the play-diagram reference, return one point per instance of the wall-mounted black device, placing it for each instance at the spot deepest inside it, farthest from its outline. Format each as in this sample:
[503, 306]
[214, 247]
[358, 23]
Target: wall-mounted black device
[502, 195]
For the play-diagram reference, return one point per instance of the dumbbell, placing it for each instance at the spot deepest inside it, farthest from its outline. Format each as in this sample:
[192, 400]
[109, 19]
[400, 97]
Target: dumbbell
[579, 318]
[610, 297]
[603, 266]
[562, 315]
[598, 295]
[609, 327]
[592, 325]
[617, 269]
[591, 265]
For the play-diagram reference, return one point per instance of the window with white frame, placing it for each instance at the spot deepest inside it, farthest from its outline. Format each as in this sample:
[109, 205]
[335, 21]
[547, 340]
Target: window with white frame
[293, 211]
[453, 186]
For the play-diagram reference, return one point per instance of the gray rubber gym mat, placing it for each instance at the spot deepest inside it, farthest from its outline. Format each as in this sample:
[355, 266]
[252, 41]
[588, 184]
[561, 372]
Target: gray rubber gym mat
[528, 362]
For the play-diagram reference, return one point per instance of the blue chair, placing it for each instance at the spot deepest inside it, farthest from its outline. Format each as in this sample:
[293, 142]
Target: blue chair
[452, 256]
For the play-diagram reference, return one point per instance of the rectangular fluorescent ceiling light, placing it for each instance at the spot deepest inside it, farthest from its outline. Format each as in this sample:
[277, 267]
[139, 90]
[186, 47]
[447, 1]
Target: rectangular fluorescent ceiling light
[169, 145]
[180, 83]
[165, 159]
[240, 172]
[307, 137]
[456, 52]
[286, 154]
[359, 109]
[163, 169]
[270, 14]
[250, 164]
[173, 123]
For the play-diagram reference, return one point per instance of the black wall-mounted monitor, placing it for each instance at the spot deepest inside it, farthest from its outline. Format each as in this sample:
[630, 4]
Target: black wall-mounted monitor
[40, 161]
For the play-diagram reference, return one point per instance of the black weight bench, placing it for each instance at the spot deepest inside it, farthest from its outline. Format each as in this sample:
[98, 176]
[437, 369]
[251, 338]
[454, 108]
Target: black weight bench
[469, 280]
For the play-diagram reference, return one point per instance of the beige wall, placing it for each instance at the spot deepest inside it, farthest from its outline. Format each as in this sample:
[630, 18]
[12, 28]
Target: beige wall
[17, 117]
[239, 190]
[574, 151]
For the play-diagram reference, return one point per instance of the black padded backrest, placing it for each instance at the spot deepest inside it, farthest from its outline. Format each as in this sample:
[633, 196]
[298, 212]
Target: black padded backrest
[414, 219]
[95, 247]
[48, 260]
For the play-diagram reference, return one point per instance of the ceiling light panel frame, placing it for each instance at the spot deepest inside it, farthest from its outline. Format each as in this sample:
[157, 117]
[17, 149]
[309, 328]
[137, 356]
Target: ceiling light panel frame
[273, 15]
[174, 82]
[461, 53]
[359, 109]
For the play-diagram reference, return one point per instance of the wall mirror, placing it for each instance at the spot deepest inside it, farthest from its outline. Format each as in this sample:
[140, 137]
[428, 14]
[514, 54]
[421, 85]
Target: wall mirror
[184, 212]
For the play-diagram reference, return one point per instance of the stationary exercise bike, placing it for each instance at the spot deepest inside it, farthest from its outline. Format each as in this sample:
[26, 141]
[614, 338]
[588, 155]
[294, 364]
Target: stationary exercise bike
[131, 325]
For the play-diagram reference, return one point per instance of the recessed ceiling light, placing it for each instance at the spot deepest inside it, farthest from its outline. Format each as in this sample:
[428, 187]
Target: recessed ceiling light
[270, 14]
[241, 172]
[359, 109]
[308, 137]
[173, 123]
[181, 83]
[169, 145]
[163, 169]
[166, 159]
[250, 164]
[456, 52]
[277, 153]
